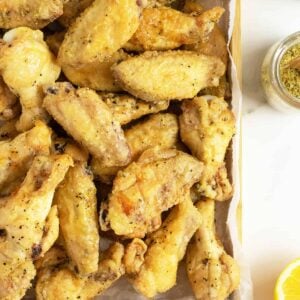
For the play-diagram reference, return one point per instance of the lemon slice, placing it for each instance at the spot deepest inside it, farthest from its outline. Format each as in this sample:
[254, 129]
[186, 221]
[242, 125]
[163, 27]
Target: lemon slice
[288, 284]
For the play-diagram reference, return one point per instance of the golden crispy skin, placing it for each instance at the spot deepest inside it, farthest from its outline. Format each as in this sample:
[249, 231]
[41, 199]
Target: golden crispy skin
[8, 129]
[89, 121]
[126, 108]
[77, 205]
[96, 75]
[31, 13]
[59, 282]
[51, 230]
[166, 248]
[213, 274]
[207, 127]
[134, 256]
[101, 30]
[165, 28]
[55, 40]
[16, 155]
[9, 107]
[14, 285]
[159, 130]
[23, 215]
[26, 65]
[157, 76]
[146, 188]
[72, 9]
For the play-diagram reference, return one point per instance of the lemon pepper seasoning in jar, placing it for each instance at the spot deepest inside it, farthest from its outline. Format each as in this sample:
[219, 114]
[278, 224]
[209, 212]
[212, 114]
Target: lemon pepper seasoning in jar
[281, 76]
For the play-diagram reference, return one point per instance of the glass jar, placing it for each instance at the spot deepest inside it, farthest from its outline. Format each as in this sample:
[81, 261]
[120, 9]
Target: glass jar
[275, 92]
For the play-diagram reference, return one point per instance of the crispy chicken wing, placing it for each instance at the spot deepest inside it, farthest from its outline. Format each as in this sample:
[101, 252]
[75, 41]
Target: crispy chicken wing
[165, 28]
[101, 30]
[22, 219]
[168, 75]
[166, 248]
[89, 120]
[126, 108]
[72, 9]
[9, 107]
[96, 75]
[146, 188]
[31, 13]
[213, 274]
[16, 155]
[77, 205]
[207, 127]
[26, 65]
[59, 282]
[158, 130]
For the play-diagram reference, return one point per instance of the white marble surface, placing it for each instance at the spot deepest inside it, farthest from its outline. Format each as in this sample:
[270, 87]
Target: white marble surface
[271, 151]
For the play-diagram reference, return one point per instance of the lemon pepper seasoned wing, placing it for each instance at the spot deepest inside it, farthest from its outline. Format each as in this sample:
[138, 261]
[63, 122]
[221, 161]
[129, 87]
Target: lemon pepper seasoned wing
[161, 76]
[159, 130]
[207, 127]
[26, 65]
[101, 30]
[23, 219]
[213, 274]
[9, 107]
[165, 28]
[89, 121]
[146, 188]
[77, 206]
[16, 155]
[126, 108]
[166, 248]
[58, 281]
[31, 13]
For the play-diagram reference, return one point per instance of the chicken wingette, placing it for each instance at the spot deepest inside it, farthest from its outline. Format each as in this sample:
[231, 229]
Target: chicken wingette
[162, 76]
[126, 108]
[213, 274]
[159, 130]
[89, 121]
[16, 155]
[31, 13]
[146, 188]
[27, 64]
[23, 219]
[207, 127]
[166, 248]
[58, 281]
[101, 30]
[165, 28]
[77, 206]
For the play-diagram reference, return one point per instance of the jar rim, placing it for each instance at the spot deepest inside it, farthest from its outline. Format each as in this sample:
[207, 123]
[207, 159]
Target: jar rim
[274, 70]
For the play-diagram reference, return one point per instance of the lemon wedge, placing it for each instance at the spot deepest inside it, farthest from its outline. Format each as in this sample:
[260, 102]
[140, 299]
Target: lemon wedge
[288, 284]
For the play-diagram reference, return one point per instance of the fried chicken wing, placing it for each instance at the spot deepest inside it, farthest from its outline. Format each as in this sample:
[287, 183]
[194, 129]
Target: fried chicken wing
[22, 221]
[168, 75]
[72, 9]
[59, 282]
[31, 13]
[26, 65]
[166, 248]
[213, 274]
[77, 205]
[16, 155]
[146, 188]
[126, 108]
[159, 130]
[96, 75]
[165, 28]
[89, 121]
[9, 107]
[207, 127]
[101, 30]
